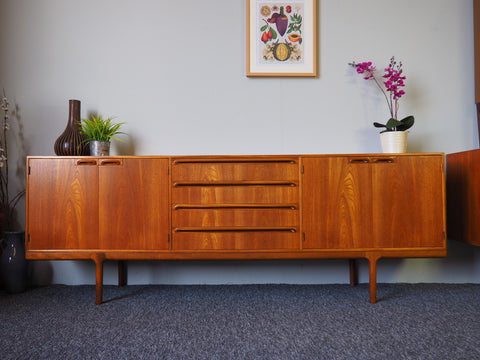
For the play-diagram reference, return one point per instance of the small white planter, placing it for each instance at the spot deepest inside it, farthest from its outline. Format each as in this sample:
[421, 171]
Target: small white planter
[394, 141]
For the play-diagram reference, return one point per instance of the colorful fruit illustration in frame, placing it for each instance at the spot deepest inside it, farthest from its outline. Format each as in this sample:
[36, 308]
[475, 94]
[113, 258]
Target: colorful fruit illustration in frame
[281, 38]
[280, 32]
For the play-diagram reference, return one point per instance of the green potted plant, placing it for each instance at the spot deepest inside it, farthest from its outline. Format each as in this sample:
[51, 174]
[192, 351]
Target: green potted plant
[395, 131]
[98, 132]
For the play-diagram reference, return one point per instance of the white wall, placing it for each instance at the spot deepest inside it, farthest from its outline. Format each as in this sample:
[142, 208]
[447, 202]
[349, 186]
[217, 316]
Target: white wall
[175, 72]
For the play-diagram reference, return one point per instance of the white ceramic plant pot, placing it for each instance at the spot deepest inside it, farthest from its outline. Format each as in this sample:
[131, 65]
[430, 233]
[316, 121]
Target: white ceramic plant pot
[394, 141]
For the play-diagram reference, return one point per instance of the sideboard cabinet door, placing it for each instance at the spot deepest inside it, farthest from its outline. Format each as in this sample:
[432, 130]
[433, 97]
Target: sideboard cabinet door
[373, 202]
[409, 202]
[62, 204]
[134, 204]
[98, 204]
[336, 209]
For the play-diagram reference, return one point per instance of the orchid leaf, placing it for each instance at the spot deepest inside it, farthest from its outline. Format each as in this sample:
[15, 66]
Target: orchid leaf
[393, 123]
[407, 123]
[396, 125]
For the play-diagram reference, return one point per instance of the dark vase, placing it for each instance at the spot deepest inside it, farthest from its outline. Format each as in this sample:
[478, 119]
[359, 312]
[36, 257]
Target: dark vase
[13, 265]
[71, 142]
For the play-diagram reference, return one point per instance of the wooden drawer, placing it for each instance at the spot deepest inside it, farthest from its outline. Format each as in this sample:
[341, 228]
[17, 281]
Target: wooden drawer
[241, 194]
[229, 239]
[235, 216]
[235, 203]
[188, 171]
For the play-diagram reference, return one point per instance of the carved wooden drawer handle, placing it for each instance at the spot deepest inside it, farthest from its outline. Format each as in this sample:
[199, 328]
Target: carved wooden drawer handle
[232, 230]
[383, 160]
[86, 162]
[111, 162]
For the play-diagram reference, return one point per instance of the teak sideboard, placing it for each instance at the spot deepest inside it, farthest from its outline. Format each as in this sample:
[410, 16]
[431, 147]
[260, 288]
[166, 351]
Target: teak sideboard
[236, 207]
[463, 195]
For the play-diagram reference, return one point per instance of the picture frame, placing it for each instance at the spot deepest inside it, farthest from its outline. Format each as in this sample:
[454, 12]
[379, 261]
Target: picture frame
[281, 38]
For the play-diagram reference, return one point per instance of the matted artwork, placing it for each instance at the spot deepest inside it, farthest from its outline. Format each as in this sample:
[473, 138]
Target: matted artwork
[281, 38]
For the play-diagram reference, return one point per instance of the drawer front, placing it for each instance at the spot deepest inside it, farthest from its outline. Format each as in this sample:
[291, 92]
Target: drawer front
[234, 170]
[235, 203]
[235, 240]
[230, 217]
[240, 194]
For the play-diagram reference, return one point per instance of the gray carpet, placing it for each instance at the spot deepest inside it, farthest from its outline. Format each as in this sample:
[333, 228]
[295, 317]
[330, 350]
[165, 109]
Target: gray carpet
[410, 321]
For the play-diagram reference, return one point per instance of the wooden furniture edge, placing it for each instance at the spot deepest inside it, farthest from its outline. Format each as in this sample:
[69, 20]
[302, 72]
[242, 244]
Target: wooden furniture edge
[462, 167]
[239, 156]
[99, 257]
[233, 255]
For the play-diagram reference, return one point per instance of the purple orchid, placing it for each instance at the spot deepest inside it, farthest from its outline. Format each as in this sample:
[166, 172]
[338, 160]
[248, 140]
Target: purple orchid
[394, 81]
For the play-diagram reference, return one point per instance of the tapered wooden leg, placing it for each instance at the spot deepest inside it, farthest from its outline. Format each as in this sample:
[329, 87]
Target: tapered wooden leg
[122, 273]
[99, 260]
[373, 277]
[353, 272]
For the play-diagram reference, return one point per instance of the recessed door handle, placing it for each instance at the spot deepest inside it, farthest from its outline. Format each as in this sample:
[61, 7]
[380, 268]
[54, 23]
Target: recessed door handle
[359, 161]
[383, 160]
[111, 162]
[86, 162]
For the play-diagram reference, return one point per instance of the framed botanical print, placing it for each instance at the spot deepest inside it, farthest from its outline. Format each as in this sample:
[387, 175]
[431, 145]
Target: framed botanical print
[281, 38]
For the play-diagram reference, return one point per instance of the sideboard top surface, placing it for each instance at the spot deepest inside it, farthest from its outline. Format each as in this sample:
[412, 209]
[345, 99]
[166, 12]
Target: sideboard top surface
[243, 156]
